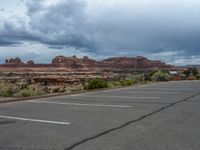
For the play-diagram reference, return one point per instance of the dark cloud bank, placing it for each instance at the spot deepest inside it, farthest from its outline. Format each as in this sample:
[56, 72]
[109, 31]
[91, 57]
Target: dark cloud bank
[110, 28]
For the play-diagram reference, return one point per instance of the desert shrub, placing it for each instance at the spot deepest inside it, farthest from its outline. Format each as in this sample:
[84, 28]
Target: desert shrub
[191, 71]
[29, 92]
[182, 76]
[128, 82]
[25, 93]
[76, 89]
[198, 77]
[1, 87]
[96, 84]
[160, 76]
[148, 76]
[11, 89]
[46, 90]
[5, 94]
[39, 92]
[8, 90]
[63, 90]
[191, 78]
[56, 90]
[116, 84]
[110, 85]
[175, 78]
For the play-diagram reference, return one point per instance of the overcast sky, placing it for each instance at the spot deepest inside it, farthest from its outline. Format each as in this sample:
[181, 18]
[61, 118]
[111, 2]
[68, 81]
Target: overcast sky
[158, 29]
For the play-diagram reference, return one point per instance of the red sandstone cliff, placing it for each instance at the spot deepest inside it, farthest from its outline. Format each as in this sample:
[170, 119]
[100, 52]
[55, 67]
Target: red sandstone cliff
[14, 61]
[116, 62]
[62, 63]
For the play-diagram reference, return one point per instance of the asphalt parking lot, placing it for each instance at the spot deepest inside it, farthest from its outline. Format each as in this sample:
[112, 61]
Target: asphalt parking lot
[152, 117]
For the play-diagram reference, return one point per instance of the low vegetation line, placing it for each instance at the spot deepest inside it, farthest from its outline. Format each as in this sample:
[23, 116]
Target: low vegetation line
[15, 99]
[26, 89]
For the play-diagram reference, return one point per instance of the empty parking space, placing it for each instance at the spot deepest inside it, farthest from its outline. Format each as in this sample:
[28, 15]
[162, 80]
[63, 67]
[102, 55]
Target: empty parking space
[67, 122]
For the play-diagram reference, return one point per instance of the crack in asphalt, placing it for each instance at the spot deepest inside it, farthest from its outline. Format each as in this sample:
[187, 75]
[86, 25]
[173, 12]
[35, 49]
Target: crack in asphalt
[128, 123]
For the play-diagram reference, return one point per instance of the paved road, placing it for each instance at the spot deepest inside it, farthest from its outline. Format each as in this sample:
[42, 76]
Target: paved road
[162, 116]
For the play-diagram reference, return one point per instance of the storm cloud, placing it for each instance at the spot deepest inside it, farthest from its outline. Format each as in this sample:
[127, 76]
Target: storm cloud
[109, 28]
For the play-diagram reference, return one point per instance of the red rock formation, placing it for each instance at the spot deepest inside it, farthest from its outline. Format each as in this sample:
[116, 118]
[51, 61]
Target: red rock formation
[62, 63]
[15, 61]
[133, 63]
[73, 61]
[30, 62]
[113, 63]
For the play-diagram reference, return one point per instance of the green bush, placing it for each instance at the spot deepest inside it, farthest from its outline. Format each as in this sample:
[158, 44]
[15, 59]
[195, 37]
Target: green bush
[5, 94]
[198, 77]
[191, 71]
[8, 90]
[128, 82]
[116, 84]
[11, 89]
[25, 93]
[160, 76]
[110, 85]
[56, 90]
[182, 76]
[63, 90]
[96, 84]
[46, 90]
[28, 93]
[148, 76]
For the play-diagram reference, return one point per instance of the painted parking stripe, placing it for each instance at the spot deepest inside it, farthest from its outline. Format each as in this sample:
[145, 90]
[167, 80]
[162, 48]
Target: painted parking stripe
[80, 104]
[168, 88]
[112, 96]
[34, 120]
[152, 92]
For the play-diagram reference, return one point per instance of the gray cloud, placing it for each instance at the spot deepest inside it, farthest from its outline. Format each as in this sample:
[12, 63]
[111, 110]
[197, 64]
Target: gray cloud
[105, 28]
[2, 10]
[62, 24]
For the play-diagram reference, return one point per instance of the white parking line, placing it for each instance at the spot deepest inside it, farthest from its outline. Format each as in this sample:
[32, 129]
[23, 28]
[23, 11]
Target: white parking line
[168, 88]
[111, 96]
[152, 92]
[80, 104]
[35, 120]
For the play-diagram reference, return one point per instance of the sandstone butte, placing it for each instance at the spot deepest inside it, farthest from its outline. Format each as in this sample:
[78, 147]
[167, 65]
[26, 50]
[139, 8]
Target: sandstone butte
[69, 64]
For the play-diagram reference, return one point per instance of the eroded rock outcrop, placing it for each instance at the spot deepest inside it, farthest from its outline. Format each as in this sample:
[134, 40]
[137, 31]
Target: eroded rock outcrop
[63, 63]
[115, 63]
[133, 62]
[16, 61]
[30, 62]
[73, 61]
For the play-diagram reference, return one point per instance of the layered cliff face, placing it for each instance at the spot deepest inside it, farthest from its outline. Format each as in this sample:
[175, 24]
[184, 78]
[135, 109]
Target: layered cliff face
[73, 61]
[62, 63]
[137, 62]
[112, 63]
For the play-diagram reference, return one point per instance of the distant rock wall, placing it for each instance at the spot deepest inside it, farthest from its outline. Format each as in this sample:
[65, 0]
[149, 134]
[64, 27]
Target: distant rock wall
[73, 61]
[116, 62]
[86, 64]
